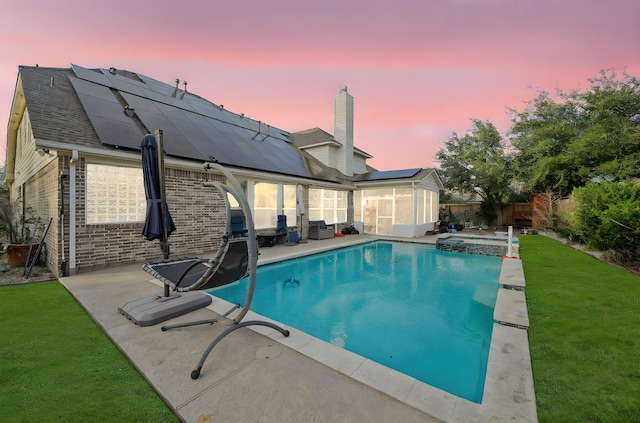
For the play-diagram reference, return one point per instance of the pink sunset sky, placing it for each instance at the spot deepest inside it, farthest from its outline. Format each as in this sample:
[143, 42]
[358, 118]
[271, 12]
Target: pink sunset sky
[419, 70]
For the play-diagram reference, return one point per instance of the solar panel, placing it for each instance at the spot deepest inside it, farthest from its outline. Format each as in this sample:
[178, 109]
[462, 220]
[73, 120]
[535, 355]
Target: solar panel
[126, 86]
[193, 128]
[117, 133]
[89, 75]
[94, 90]
[171, 111]
[177, 145]
[95, 106]
[157, 86]
[388, 174]
[140, 103]
[154, 96]
[107, 115]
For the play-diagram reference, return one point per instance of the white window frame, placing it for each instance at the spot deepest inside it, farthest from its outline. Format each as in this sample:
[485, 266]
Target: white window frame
[328, 209]
[278, 206]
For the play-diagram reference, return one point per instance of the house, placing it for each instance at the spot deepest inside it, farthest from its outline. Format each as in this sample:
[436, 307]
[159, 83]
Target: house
[73, 155]
[402, 203]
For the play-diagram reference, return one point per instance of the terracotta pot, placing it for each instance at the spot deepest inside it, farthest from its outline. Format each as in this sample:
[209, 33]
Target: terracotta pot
[17, 254]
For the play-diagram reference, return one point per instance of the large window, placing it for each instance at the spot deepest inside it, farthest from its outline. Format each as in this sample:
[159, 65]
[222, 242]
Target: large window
[328, 205]
[265, 205]
[403, 202]
[381, 208]
[422, 207]
[114, 194]
[270, 200]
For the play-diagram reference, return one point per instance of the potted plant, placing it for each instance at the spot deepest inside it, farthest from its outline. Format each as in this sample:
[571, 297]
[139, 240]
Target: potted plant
[18, 228]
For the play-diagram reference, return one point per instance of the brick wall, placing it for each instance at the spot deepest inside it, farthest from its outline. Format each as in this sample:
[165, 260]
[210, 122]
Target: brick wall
[197, 211]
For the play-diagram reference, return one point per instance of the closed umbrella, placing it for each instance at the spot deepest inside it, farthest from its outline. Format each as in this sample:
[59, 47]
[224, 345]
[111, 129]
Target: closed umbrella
[152, 309]
[300, 207]
[300, 200]
[153, 173]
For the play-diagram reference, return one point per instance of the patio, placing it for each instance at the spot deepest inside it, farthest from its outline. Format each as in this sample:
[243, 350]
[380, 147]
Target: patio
[257, 375]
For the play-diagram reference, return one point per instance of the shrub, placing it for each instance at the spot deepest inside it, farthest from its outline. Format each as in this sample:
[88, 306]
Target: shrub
[567, 232]
[18, 226]
[608, 217]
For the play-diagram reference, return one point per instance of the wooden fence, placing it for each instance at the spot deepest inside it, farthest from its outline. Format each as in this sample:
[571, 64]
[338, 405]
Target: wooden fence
[541, 212]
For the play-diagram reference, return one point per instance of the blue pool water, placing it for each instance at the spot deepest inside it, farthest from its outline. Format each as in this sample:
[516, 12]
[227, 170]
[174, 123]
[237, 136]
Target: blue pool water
[418, 310]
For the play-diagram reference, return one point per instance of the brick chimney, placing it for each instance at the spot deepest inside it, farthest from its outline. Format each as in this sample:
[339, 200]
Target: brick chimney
[343, 131]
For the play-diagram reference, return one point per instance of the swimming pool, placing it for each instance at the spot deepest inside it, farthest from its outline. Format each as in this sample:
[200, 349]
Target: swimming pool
[423, 312]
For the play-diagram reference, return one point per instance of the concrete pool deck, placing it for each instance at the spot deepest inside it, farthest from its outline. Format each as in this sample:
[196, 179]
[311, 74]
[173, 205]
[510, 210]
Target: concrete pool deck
[258, 375]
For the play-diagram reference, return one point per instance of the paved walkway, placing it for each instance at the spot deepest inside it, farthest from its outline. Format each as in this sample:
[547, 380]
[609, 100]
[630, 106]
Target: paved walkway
[259, 376]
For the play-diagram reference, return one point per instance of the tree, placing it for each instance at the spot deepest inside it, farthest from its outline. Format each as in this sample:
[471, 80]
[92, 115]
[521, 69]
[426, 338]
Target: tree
[541, 136]
[477, 163]
[582, 136]
[609, 145]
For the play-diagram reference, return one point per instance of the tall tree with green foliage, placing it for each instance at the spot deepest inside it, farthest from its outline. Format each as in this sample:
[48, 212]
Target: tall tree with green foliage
[477, 163]
[541, 136]
[562, 142]
[609, 145]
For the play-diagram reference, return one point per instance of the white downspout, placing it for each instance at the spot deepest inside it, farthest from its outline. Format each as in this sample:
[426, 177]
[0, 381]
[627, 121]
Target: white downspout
[415, 211]
[72, 211]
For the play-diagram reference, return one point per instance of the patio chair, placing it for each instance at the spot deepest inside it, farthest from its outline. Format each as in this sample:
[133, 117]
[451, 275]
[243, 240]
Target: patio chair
[281, 224]
[236, 258]
[237, 223]
[318, 229]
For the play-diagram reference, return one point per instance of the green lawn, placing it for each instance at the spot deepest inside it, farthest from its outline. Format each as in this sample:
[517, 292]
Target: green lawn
[584, 334]
[56, 365]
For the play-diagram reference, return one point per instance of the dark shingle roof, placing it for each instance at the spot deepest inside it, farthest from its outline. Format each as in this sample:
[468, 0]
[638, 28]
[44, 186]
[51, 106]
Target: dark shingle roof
[54, 109]
[58, 112]
[311, 136]
[316, 136]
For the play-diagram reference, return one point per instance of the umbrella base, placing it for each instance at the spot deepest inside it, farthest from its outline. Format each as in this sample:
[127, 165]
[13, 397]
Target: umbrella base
[156, 308]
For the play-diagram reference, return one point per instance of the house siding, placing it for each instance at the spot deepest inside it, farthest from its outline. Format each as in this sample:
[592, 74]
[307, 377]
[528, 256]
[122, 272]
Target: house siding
[36, 187]
[359, 166]
[28, 161]
[430, 184]
[197, 211]
[41, 193]
[322, 153]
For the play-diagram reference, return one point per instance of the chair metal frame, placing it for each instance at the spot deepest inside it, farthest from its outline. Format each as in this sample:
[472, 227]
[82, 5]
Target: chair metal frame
[231, 236]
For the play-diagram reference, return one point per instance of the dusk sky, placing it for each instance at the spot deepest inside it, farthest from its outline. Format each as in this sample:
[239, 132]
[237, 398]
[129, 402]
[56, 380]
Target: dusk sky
[419, 70]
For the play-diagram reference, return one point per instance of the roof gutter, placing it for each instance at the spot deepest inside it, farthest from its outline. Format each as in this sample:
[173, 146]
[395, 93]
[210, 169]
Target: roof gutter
[385, 182]
[320, 144]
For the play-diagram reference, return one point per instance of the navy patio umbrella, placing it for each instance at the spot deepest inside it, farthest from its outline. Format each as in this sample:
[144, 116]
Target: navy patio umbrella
[158, 222]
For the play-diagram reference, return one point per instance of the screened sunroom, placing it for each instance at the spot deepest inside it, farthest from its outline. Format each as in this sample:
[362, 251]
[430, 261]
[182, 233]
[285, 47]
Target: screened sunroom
[296, 201]
[397, 203]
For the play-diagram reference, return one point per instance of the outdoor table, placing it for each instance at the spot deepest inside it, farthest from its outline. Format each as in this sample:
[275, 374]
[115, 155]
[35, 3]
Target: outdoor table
[270, 238]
